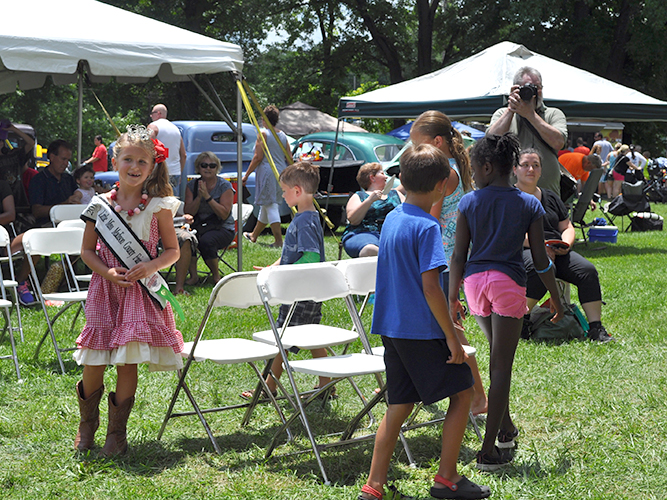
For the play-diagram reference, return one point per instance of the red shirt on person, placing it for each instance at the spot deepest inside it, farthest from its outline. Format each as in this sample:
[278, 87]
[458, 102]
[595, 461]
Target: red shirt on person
[100, 152]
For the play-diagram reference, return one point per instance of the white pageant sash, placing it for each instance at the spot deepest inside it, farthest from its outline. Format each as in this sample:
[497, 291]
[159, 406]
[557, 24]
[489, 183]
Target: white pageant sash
[125, 245]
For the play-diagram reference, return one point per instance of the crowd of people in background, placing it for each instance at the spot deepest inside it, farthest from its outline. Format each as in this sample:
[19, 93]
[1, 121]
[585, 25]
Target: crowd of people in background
[479, 222]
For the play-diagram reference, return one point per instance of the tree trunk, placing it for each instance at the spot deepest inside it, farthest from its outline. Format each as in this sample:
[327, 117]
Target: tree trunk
[426, 10]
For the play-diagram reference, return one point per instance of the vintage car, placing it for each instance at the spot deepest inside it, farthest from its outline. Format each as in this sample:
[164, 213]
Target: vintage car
[353, 150]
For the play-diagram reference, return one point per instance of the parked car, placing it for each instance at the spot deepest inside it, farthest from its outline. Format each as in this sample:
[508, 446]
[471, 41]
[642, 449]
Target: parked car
[200, 136]
[353, 150]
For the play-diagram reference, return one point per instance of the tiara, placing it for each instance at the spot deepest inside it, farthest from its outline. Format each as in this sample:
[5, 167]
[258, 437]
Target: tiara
[139, 132]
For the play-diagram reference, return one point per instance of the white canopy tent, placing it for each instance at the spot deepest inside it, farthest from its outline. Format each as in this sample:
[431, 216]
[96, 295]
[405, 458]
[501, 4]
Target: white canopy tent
[75, 37]
[478, 85]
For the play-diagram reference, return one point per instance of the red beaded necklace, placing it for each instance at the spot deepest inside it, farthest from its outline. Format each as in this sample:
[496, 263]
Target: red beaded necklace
[136, 211]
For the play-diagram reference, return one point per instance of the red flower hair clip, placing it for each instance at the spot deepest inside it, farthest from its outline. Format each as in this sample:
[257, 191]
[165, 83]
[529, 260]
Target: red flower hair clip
[161, 152]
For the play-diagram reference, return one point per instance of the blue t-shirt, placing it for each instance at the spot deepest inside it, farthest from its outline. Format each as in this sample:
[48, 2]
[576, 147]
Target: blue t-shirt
[498, 218]
[410, 244]
[304, 234]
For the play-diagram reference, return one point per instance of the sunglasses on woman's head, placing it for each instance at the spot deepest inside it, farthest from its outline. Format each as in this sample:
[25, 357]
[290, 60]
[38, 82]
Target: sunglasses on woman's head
[208, 165]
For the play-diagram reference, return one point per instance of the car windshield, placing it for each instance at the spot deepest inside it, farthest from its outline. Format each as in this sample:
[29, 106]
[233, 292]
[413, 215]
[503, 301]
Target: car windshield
[386, 152]
[321, 150]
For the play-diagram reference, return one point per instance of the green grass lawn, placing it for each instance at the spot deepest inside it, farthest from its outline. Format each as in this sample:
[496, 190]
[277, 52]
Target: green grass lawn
[592, 417]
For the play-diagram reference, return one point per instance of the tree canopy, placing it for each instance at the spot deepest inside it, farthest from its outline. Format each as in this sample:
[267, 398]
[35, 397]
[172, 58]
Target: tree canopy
[331, 49]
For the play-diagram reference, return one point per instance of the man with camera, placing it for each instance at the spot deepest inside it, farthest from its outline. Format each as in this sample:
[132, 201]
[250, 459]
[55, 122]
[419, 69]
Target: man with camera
[537, 126]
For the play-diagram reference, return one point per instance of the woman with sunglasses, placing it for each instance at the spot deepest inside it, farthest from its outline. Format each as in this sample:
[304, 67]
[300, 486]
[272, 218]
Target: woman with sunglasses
[209, 201]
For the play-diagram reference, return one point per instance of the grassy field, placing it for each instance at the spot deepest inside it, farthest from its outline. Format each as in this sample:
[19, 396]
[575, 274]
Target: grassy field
[592, 416]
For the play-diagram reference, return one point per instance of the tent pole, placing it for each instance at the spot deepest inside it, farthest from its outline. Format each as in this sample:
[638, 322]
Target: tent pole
[239, 175]
[217, 98]
[210, 101]
[331, 172]
[79, 140]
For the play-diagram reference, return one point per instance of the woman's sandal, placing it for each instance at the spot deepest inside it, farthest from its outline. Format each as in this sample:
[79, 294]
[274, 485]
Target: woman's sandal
[250, 393]
[464, 489]
[392, 493]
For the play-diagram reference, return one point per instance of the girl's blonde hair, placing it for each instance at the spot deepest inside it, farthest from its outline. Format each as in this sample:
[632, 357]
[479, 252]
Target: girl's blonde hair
[157, 183]
[434, 123]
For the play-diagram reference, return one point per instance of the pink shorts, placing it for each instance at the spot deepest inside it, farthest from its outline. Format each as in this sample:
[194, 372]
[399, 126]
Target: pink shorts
[617, 176]
[494, 291]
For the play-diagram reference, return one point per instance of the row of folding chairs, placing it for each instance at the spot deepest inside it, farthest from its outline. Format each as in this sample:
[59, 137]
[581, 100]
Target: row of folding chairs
[290, 285]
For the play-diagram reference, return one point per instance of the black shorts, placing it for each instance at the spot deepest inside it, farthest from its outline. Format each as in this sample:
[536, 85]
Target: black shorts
[417, 370]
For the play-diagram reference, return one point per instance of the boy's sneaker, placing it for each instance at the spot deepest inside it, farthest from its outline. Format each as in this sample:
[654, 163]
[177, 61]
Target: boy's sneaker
[490, 463]
[25, 297]
[598, 333]
[506, 439]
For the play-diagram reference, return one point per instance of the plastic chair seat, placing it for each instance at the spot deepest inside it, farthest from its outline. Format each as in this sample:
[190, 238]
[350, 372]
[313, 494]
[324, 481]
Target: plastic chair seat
[309, 336]
[230, 351]
[67, 296]
[342, 366]
[10, 283]
[5, 303]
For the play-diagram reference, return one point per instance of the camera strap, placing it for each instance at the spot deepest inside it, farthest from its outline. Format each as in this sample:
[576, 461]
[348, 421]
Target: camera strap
[525, 122]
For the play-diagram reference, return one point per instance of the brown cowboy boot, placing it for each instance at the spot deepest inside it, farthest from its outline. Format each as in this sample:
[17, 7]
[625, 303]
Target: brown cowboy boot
[90, 417]
[116, 442]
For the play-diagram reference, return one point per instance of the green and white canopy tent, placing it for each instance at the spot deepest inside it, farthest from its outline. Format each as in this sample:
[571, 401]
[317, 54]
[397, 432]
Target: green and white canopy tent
[77, 37]
[475, 87]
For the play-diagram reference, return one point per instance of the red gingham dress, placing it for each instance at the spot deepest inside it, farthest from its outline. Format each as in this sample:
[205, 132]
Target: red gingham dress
[116, 316]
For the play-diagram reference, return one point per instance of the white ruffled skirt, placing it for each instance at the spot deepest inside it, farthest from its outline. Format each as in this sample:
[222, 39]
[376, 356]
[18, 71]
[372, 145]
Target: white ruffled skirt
[133, 353]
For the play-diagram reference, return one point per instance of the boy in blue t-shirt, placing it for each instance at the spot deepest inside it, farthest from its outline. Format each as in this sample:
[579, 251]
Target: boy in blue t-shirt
[423, 356]
[303, 244]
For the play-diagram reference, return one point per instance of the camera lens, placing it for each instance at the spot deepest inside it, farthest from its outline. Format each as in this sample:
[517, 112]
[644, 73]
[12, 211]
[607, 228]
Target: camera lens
[526, 92]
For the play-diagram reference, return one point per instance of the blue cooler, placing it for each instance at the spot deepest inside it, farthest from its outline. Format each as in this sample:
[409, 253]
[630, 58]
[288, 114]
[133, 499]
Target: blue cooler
[606, 234]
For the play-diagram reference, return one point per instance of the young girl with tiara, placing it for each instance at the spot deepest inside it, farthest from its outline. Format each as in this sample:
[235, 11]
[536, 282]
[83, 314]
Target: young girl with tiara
[435, 128]
[128, 321]
[495, 219]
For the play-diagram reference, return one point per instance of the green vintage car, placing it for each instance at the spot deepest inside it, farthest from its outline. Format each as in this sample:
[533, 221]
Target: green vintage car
[353, 150]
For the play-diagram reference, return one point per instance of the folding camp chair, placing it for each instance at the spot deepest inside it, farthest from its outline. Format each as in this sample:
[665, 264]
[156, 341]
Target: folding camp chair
[6, 305]
[237, 290]
[47, 242]
[318, 282]
[584, 201]
[631, 199]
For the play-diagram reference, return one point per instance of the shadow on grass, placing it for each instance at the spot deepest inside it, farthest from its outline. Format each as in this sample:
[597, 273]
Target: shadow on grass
[143, 459]
[615, 250]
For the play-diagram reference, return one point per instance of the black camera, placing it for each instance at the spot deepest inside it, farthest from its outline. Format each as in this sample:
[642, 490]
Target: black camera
[527, 91]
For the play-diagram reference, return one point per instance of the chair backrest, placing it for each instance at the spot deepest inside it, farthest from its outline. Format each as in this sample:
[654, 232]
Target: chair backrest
[59, 213]
[246, 211]
[287, 284]
[4, 237]
[51, 241]
[360, 274]
[72, 223]
[632, 191]
[236, 290]
[584, 201]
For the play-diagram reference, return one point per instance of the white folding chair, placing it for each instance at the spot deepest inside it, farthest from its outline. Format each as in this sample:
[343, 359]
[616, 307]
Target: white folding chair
[59, 213]
[47, 242]
[6, 305]
[318, 282]
[237, 290]
[82, 278]
[246, 212]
